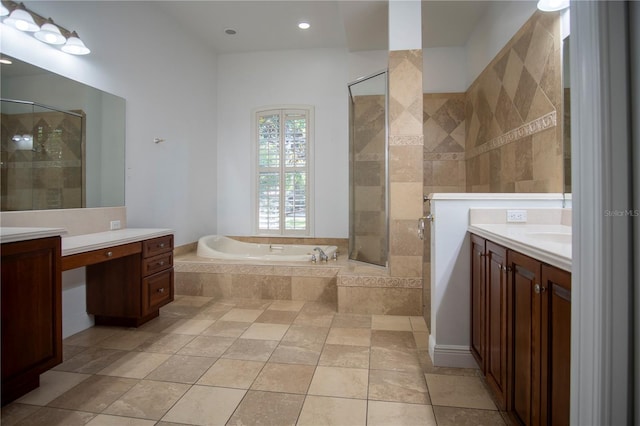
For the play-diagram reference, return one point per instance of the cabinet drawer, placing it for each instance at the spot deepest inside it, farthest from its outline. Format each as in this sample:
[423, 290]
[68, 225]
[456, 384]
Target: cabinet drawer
[157, 246]
[98, 256]
[157, 290]
[157, 263]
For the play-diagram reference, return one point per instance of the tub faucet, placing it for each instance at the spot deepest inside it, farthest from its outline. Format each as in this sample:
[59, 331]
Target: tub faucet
[323, 256]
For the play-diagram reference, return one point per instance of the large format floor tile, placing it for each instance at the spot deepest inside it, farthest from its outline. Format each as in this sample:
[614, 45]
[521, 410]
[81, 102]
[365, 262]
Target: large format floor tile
[207, 361]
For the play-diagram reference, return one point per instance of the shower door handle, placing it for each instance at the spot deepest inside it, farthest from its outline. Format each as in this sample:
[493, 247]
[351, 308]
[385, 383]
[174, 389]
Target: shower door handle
[421, 228]
[421, 224]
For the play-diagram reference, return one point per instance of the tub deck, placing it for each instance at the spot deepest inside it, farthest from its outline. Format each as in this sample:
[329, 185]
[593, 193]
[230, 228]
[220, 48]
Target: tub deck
[352, 287]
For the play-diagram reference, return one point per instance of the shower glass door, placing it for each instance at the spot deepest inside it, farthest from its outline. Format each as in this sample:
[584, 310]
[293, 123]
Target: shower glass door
[368, 187]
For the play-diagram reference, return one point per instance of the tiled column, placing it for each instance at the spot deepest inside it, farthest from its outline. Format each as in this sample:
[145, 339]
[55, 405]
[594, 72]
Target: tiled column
[405, 138]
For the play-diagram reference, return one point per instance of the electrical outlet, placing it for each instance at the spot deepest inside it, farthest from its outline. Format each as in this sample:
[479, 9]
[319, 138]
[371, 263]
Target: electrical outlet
[114, 224]
[516, 215]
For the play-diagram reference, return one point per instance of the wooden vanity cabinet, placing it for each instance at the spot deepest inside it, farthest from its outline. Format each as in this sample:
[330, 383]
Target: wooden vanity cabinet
[525, 330]
[489, 314]
[523, 340]
[478, 301]
[540, 317]
[31, 313]
[129, 290]
[556, 342]
[496, 322]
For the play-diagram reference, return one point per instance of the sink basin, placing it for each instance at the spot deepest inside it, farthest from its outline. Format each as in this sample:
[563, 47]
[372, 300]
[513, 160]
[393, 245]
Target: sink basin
[552, 237]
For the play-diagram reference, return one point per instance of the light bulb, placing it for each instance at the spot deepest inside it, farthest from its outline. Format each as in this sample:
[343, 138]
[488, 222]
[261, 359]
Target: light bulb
[21, 20]
[50, 33]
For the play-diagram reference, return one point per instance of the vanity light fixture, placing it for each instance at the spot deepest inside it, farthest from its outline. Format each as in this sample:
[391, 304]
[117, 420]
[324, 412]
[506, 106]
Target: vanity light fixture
[304, 25]
[50, 33]
[75, 46]
[27, 20]
[552, 5]
[3, 10]
[6, 61]
[21, 20]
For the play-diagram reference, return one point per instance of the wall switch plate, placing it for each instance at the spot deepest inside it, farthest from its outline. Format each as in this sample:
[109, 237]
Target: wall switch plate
[114, 224]
[516, 215]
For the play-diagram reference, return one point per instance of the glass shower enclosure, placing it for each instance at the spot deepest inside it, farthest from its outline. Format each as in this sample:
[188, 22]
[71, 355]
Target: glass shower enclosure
[368, 166]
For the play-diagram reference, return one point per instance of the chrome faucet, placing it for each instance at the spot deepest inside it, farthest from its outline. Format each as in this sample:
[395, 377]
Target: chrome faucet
[323, 255]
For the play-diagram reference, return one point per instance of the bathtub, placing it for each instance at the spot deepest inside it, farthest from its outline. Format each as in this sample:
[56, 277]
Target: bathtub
[220, 247]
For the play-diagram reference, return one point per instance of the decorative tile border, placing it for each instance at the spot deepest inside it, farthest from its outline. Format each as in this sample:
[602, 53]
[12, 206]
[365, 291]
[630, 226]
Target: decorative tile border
[379, 282]
[406, 140]
[545, 122]
[443, 156]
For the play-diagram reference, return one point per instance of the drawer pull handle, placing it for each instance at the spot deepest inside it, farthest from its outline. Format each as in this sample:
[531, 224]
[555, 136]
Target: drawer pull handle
[539, 289]
[109, 254]
[161, 290]
[161, 245]
[161, 263]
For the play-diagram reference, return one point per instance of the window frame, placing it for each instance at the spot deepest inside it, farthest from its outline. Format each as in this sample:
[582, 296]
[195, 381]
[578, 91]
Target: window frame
[281, 109]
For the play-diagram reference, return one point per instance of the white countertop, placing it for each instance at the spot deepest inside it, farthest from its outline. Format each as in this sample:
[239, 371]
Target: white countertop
[496, 196]
[550, 244]
[13, 234]
[88, 242]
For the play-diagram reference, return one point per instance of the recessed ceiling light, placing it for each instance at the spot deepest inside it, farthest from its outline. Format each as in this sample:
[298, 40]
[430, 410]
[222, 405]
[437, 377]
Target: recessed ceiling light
[304, 25]
[230, 31]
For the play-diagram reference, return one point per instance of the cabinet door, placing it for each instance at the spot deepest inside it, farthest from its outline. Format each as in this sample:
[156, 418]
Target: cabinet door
[524, 323]
[478, 285]
[31, 313]
[556, 343]
[496, 322]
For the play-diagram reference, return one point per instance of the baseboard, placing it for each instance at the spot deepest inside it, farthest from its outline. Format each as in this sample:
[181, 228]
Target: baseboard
[451, 355]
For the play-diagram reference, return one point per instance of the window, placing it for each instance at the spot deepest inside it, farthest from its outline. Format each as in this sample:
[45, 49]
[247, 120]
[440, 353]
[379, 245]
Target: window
[283, 171]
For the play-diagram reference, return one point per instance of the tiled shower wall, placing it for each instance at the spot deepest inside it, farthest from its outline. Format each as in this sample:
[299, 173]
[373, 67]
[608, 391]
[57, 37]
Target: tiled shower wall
[405, 162]
[504, 134]
[514, 112]
[49, 176]
[444, 142]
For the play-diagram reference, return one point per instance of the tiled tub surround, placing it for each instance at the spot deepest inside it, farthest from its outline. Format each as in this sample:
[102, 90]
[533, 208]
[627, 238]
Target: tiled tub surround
[352, 287]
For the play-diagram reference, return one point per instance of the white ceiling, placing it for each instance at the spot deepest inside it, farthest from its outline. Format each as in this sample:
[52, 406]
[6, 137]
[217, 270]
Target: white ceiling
[355, 24]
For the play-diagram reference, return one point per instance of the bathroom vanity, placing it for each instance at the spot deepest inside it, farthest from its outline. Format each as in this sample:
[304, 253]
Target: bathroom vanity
[129, 273]
[31, 307]
[521, 318]
[129, 276]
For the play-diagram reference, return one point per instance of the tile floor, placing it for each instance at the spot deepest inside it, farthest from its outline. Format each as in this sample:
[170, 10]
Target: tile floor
[254, 362]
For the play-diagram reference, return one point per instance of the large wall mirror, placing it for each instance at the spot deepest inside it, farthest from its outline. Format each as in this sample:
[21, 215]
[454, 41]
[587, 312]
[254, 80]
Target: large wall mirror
[62, 142]
[566, 121]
